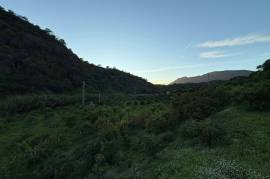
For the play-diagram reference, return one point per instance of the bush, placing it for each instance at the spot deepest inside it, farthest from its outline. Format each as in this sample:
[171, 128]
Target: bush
[194, 105]
[258, 96]
[159, 125]
[166, 137]
[149, 144]
[139, 121]
[27, 103]
[207, 132]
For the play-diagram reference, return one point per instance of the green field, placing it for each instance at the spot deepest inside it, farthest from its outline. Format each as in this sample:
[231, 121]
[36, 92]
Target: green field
[134, 139]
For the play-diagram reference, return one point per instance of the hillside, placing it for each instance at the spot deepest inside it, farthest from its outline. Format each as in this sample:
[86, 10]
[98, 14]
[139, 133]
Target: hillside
[213, 76]
[35, 60]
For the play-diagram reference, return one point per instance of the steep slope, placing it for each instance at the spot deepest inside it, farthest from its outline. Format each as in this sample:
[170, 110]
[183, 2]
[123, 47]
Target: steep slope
[213, 76]
[35, 60]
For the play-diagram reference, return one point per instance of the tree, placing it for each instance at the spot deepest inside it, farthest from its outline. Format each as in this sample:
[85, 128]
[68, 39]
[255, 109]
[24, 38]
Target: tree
[48, 31]
[62, 41]
[11, 12]
[23, 18]
[265, 66]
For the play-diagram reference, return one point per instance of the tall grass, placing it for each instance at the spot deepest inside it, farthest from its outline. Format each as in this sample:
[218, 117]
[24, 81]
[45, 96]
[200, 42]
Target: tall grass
[26, 103]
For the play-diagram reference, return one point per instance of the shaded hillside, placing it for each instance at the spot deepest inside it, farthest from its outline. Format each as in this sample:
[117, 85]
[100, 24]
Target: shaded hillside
[35, 60]
[213, 76]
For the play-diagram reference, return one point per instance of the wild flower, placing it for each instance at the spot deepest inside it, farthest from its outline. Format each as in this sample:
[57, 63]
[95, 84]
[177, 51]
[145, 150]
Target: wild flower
[228, 169]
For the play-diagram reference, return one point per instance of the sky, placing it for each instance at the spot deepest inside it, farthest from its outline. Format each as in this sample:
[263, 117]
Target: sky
[159, 40]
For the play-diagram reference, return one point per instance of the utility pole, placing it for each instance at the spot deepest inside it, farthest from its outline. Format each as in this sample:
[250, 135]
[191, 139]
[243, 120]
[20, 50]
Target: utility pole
[135, 90]
[99, 97]
[83, 93]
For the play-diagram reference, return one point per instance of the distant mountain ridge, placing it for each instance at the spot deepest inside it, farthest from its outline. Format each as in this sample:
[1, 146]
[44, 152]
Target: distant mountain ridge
[213, 76]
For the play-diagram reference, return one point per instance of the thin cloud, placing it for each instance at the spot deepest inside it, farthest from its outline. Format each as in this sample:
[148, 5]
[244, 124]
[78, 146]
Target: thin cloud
[266, 55]
[188, 46]
[230, 42]
[170, 68]
[215, 54]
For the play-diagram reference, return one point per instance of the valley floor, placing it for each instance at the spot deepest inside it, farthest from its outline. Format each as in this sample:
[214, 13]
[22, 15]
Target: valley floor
[130, 140]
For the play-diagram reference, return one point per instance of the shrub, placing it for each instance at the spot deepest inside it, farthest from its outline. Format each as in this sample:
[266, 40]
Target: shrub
[27, 103]
[159, 125]
[166, 137]
[149, 144]
[139, 120]
[191, 105]
[258, 96]
[207, 132]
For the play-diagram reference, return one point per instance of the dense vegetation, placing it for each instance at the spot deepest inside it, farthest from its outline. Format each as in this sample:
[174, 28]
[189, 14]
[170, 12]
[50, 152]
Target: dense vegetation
[33, 60]
[218, 130]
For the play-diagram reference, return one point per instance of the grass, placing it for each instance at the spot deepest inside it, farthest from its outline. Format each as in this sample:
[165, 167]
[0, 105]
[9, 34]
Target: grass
[246, 154]
[124, 141]
[249, 135]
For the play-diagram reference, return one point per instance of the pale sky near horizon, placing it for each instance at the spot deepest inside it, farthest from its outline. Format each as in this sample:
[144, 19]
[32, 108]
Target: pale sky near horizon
[159, 40]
